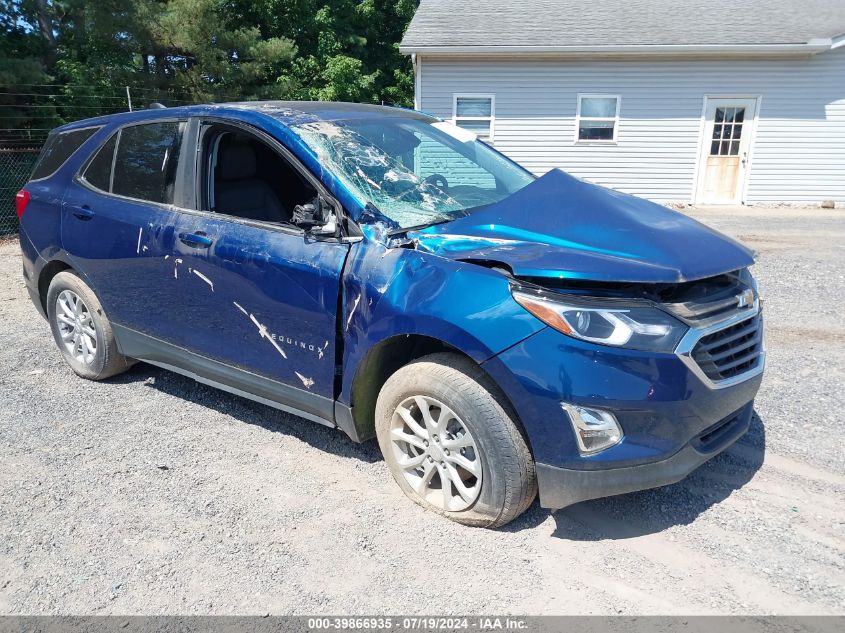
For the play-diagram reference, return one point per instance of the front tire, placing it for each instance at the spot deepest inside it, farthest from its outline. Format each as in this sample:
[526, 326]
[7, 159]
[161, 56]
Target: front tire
[452, 444]
[81, 329]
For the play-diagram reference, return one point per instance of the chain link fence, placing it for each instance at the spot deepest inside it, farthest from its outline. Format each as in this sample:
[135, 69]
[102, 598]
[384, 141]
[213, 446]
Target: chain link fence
[29, 111]
[15, 166]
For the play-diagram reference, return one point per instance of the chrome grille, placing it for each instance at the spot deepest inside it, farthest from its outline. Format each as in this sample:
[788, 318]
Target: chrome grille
[710, 303]
[696, 312]
[731, 351]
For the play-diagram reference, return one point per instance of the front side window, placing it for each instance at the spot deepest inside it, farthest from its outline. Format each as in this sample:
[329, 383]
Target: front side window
[475, 113]
[58, 148]
[413, 171]
[597, 118]
[246, 178]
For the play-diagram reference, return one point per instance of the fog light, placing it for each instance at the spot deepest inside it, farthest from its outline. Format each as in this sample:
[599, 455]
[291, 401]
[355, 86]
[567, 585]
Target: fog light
[595, 430]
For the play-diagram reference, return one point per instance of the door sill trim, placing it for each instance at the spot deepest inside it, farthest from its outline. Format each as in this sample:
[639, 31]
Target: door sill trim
[238, 392]
[234, 380]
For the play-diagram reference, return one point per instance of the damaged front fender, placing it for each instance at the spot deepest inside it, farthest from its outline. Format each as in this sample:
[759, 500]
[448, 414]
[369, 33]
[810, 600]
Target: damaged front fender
[393, 291]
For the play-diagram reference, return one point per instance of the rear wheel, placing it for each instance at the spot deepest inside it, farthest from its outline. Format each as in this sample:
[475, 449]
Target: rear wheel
[81, 330]
[452, 443]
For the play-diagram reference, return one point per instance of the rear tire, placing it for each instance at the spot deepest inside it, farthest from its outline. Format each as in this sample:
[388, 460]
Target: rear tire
[81, 329]
[452, 443]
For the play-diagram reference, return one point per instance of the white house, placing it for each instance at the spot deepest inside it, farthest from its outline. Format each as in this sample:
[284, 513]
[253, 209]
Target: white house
[697, 101]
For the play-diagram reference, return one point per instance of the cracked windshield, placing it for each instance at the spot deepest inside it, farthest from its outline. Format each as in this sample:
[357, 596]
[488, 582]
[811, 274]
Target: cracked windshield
[414, 171]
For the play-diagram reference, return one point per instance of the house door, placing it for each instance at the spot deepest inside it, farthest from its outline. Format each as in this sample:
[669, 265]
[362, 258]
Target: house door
[724, 156]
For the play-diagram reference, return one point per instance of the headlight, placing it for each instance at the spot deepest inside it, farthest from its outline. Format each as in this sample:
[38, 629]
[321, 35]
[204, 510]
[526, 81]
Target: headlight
[643, 328]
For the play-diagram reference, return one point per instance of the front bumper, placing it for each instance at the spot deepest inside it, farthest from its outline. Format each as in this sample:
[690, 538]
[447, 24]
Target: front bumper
[562, 487]
[668, 414]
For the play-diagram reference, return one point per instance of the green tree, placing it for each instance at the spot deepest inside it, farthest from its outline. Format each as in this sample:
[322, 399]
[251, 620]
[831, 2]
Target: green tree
[191, 50]
[68, 59]
[346, 49]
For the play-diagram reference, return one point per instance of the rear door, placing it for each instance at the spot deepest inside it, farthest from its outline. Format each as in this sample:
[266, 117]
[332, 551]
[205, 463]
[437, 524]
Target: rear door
[114, 215]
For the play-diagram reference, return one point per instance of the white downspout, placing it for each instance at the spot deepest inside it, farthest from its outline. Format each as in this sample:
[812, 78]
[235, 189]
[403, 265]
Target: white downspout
[416, 60]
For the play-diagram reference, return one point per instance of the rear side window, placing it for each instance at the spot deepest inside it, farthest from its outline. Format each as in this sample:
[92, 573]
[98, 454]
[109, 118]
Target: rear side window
[139, 162]
[58, 148]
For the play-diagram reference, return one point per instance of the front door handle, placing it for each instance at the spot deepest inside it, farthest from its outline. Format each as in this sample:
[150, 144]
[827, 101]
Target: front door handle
[195, 240]
[83, 213]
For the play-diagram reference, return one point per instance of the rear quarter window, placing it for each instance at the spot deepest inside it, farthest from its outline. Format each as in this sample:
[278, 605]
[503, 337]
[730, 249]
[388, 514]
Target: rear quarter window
[58, 148]
[98, 171]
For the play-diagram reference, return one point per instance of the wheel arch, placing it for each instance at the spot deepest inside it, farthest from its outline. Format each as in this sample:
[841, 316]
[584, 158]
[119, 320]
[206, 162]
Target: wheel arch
[50, 270]
[384, 358]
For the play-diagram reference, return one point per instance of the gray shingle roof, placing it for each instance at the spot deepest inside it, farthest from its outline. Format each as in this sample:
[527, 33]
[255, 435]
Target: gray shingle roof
[585, 23]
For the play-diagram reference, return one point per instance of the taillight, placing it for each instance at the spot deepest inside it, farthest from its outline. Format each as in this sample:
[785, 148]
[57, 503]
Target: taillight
[21, 200]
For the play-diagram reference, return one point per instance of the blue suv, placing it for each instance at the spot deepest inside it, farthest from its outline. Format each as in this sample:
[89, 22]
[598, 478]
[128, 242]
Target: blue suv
[386, 273]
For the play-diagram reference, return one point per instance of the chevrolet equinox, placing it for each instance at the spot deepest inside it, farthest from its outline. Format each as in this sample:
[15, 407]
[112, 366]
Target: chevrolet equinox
[386, 273]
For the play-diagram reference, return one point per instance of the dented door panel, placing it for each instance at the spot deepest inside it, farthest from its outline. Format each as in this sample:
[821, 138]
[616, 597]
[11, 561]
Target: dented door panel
[257, 298]
[116, 243]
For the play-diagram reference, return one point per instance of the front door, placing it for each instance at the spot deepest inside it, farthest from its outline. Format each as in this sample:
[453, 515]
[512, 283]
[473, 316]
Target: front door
[262, 299]
[724, 157]
[247, 287]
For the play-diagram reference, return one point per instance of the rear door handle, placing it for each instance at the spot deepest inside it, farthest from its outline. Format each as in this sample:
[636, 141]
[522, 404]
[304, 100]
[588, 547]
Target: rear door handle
[83, 213]
[195, 240]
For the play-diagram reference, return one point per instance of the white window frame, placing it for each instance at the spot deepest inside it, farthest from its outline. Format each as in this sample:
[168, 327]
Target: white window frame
[475, 95]
[579, 118]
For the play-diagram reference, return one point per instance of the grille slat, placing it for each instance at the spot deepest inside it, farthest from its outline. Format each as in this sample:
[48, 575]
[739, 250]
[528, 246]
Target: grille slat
[709, 301]
[737, 362]
[739, 349]
[731, 351]
[703, 310]
[751, 329]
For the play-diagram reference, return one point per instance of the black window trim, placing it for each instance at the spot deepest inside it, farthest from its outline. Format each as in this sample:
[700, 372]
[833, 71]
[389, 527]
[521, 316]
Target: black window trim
[117, 137]
[79, 178]
[81, 145]
[277, 146]
[188, 173]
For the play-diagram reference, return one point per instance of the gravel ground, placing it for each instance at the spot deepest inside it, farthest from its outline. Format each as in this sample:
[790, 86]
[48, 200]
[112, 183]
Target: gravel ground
[151, 494]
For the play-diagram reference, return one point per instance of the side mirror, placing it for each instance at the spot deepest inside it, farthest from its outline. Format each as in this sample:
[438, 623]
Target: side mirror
[315, 217]
[327, 229]
[308, 215]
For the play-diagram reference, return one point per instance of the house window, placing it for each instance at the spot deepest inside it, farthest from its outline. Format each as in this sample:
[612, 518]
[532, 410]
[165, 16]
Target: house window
[597, 118]
[475, 113]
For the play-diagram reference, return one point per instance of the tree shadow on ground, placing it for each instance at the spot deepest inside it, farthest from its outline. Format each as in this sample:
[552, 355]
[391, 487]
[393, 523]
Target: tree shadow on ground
[651, 511]
[619, 517]
[250, 412]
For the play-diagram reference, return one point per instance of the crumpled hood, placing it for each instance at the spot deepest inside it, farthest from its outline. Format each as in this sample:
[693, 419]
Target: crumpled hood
[562, 227]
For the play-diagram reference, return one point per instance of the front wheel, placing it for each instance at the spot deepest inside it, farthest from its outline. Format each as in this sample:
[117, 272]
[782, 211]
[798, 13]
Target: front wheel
[452, 444]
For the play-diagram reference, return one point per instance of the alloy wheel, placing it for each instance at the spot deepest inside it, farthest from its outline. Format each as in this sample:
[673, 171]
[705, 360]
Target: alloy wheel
[436, 452]
[76, 327]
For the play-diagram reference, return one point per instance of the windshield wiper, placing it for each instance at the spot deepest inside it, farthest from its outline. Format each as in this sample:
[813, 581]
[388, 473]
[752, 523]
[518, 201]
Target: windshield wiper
[417, 227]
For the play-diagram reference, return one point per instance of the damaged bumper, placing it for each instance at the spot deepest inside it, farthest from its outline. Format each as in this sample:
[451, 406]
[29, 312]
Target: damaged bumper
[671, 420]
[562, 487]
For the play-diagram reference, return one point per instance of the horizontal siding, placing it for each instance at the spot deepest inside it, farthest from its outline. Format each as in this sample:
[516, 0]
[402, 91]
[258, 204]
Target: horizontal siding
[798, 153]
